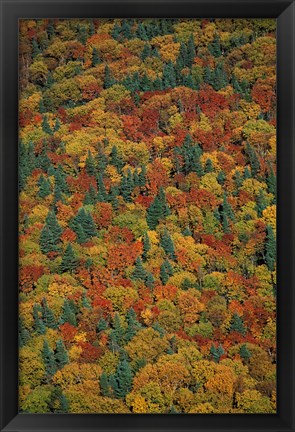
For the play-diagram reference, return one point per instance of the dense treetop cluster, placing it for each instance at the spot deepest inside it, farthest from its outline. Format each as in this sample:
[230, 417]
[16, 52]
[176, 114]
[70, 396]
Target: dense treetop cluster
[147, 187]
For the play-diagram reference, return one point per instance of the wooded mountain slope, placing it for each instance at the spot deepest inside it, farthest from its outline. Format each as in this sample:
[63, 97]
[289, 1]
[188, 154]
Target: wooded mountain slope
[147, 178]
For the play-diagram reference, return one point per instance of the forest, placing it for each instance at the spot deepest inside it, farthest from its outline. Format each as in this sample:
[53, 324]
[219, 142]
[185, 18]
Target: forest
[147, 216]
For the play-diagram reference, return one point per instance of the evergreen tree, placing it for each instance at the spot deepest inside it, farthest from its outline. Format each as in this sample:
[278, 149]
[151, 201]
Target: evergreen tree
[44, 187]
[117, 333]
[23, 334]
[219, 78]
[113, 197]
[108, 78]
[214, 47]
[227, 209]
[221, 178]
[191, 51]
[102, 193]
[90, 164]
[35, 49]
[245, 353]
[57, 125]
[270, 248]
[116, 160]
[150, 280]
[48, 316]
[116, 31]
[146, 52]
[157, 210]
[124, 379]
[208, 166]
[139, 272]
[126, 31]
[45, 126]
[42, 108]
[169, 78]
[247, 173]
[237, 324]
[271, 182]
[95, 57]
[104, 385]
[49, 360]
[102, 325]
[127, 186]
[164, 274]
[61, 355]
[132, 325]
[225, 224]
[216, 353]
[141, 32]
[43, 160]
[39, 326]
[69, 260]
[187, 232]
[54, 226]
[142, 176]
[64, 404]
[46, 241]
[261, 203]
[68, 314]
[146, 246]
[253, 160]
[60, 179]
[168, 245]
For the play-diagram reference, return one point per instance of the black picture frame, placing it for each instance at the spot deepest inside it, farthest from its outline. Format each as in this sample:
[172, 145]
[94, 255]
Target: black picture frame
[11, 11]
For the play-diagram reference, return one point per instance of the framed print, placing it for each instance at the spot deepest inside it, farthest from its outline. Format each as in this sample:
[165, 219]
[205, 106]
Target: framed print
[147, 206]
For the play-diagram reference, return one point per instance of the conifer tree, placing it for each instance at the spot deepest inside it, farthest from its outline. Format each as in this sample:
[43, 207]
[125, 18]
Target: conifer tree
[169, 78]
[139, 272]
[261, 203]
[141, 32]
[150, 280]
[90, 164]
[44, 187]
[245, 353]
[132, 324]
[46, 241]
[64, 404]
[68, 314]
[48, 316]
[104, 385]
[124, 379]
[191, 51]
[54, 226]
[221, 178]
[116, 160]
[69, 260]
[142, 176]
[102, 325]
[108, 78]
[95, 57]
[39, 326]
[102, 193]
[168, 245]
[164, 274]
[117, 333]
[208, 166]
[146, 246]
[270, 248]
[49, 360]
[45, 126]
[271, 182]
[237, 324]
[214, 47]
[253, 160]
[61, 355]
